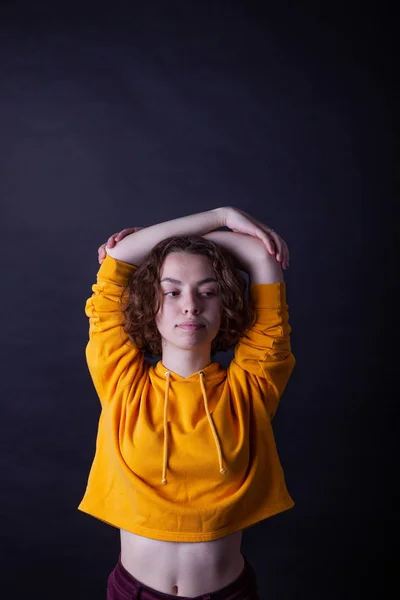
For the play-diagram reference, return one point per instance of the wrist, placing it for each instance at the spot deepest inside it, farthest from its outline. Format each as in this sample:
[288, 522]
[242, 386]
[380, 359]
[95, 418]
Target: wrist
[222, 214]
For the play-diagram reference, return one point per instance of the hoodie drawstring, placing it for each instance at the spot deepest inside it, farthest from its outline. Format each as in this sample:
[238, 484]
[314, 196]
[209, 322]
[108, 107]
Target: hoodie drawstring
[217, 443]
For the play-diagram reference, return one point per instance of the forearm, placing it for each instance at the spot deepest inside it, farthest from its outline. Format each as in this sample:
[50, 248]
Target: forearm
[135, 247]
[250, 254]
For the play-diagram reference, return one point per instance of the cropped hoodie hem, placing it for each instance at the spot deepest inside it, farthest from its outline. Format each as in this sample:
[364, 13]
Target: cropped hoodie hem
[182, 536]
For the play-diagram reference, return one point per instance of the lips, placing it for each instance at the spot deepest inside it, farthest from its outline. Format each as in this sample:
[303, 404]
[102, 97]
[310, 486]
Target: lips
[191, 326]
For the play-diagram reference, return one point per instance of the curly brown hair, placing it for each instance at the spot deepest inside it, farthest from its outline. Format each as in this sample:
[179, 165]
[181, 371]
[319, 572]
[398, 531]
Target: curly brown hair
[142, 295]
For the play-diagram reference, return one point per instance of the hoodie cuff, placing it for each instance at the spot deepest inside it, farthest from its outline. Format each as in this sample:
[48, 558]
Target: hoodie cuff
[268, 295]
[115, 270]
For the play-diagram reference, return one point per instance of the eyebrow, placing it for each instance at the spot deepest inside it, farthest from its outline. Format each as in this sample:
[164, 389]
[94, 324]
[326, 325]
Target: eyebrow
[206, 280]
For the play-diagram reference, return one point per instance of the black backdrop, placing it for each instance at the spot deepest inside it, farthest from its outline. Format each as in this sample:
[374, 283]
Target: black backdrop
[113, 117]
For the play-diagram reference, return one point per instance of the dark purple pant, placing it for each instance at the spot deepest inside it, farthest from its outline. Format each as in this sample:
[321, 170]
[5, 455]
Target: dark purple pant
[122, 586]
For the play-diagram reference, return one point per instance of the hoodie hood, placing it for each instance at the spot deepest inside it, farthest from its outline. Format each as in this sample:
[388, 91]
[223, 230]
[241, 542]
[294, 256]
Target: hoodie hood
[186, 390]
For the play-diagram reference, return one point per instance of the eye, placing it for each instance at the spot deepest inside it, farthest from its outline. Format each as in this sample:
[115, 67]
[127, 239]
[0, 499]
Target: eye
[210, 294]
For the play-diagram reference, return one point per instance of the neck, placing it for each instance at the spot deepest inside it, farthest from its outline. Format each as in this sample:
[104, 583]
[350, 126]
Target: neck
[185, 362]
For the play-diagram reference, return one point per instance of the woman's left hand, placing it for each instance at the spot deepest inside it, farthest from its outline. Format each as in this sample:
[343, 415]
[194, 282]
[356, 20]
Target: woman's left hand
[241, 222]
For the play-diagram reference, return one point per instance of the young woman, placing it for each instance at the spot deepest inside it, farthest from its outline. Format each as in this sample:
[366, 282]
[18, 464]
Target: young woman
[185, 454]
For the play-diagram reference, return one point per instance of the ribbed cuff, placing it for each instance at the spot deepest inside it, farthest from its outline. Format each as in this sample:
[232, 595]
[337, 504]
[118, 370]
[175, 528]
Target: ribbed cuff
[114, 269]
[268, 295]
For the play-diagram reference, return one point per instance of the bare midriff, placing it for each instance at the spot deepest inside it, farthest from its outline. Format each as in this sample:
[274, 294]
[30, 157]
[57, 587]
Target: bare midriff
[183, 568]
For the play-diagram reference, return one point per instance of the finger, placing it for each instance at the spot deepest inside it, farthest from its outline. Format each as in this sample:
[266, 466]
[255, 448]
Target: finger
[267, 240]
[278, 243]
[265, 236]
[282, 251]
[111, 240]
[101, 253]
[124, 233]
[286, 253]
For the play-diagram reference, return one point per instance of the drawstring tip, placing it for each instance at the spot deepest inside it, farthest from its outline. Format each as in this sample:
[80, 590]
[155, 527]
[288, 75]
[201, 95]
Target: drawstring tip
[222, 471]
[164, 481]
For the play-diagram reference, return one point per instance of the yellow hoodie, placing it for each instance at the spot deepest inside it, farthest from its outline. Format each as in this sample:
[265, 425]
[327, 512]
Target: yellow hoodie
[186, 459]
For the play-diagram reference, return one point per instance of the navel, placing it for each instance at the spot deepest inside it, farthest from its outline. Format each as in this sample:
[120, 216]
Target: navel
[175, 590]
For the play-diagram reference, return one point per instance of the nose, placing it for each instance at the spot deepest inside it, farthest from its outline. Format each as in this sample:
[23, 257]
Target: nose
[191, 308]
[191, 304]
[194, 311]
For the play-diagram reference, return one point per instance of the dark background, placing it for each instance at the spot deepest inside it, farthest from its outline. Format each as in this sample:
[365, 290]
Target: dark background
[130, 114]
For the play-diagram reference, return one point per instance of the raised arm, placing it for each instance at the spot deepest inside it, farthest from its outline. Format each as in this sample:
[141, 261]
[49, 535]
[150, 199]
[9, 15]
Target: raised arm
[134, 244]
[114, 362]
[135, 247]
[251, 254]
[264, 352]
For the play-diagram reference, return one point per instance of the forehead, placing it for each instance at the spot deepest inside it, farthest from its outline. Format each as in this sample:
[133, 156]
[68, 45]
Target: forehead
[186, 265]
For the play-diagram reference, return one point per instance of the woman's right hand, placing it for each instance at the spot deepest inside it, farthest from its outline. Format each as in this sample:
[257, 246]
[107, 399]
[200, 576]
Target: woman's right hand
[114, 239]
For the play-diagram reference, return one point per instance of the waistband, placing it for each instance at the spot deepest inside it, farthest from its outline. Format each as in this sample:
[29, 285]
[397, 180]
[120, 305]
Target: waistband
[245, 582]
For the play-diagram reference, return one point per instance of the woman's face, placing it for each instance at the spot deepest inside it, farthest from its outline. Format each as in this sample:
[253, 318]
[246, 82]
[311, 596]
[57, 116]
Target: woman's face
[190, 292]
